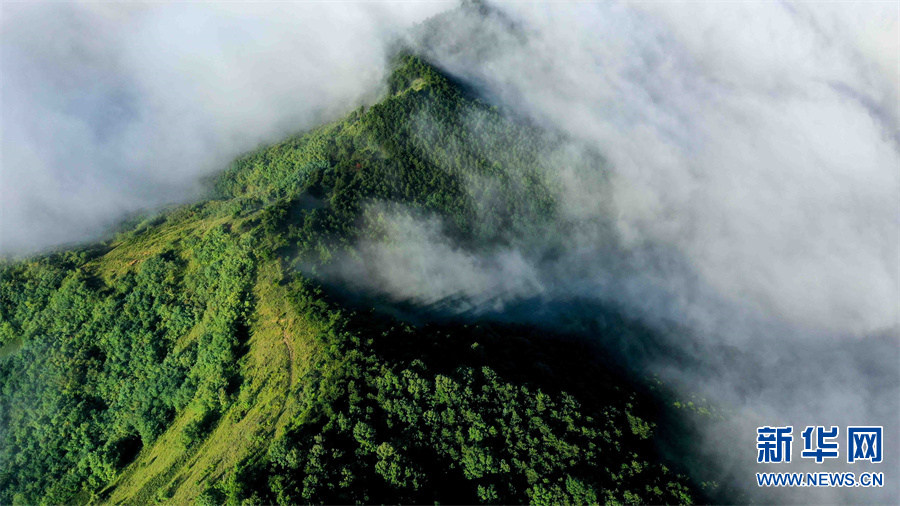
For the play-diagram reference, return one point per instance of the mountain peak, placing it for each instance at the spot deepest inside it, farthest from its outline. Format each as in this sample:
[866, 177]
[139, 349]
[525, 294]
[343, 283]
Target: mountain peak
[211, 353]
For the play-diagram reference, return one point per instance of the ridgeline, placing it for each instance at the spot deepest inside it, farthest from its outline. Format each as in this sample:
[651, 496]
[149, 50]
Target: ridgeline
[196, 357]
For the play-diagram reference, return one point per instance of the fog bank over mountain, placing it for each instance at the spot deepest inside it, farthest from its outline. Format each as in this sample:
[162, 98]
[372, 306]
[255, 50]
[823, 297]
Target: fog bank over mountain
[765, 152]
[112, 108]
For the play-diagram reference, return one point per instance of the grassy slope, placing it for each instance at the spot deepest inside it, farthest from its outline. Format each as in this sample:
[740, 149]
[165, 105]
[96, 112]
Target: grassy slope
[280, 353]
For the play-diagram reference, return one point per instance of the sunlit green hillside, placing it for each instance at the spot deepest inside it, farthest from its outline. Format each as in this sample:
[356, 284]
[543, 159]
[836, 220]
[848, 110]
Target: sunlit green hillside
[195, 358]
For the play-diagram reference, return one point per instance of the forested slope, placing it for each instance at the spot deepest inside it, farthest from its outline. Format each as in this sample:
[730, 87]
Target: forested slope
[197, 356]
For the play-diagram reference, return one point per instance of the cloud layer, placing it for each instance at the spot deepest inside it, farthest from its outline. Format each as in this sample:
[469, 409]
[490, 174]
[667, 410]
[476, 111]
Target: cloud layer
[765, 151]
[108, 109]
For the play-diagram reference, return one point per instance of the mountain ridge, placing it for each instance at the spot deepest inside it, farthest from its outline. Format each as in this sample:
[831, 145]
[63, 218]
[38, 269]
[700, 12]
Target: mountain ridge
[201, 357]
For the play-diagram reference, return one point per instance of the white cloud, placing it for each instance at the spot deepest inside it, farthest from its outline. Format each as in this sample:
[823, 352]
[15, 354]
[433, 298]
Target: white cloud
[111, 108]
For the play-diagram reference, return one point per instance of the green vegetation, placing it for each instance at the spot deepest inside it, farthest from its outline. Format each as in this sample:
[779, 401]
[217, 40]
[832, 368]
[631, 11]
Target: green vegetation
[190, 360]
